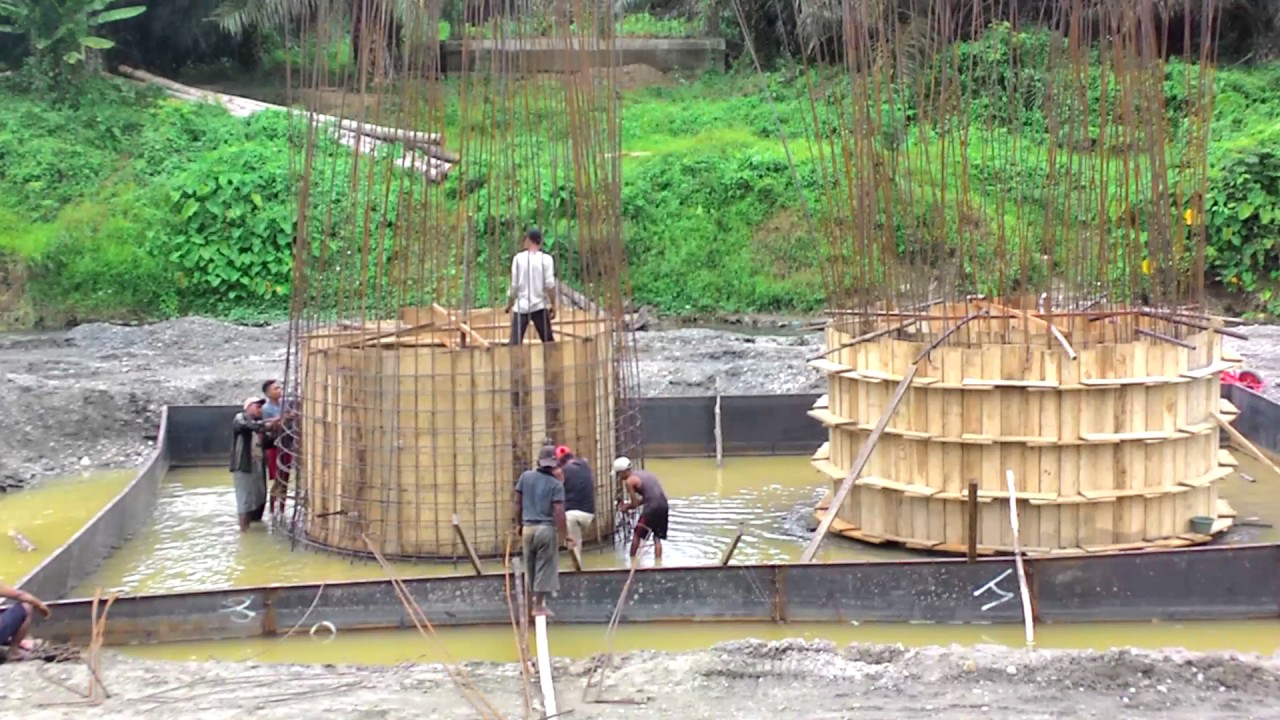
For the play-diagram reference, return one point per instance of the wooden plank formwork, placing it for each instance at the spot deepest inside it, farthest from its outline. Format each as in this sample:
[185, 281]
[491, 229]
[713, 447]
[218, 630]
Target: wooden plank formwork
[400, 432]
[1118, 447]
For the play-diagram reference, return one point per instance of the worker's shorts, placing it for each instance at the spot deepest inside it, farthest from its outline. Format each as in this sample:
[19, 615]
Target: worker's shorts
[11, 621]
[653, 521]
[578, 522]
[542, 557]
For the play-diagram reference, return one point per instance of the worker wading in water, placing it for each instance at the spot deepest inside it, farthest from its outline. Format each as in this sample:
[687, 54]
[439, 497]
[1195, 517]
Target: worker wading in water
[247, 461]
[644, 489]
[539, 513]
[579, 494]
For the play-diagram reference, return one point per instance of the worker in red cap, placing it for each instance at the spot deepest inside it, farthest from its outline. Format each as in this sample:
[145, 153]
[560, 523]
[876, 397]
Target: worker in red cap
[579, 494]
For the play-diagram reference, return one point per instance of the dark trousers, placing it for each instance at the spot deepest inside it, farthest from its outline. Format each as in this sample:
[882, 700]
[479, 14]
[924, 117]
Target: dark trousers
[541, 323]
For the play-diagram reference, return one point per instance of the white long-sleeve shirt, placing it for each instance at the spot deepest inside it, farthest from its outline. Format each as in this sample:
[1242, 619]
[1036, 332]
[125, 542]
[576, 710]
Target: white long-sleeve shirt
[533, 279]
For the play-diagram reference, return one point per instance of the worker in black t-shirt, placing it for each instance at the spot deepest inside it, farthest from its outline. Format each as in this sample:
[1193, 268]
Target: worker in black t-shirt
[579, 493]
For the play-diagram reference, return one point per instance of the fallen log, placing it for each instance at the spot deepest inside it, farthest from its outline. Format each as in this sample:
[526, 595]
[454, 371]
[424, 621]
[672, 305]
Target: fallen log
[423, 152]
[381, 132]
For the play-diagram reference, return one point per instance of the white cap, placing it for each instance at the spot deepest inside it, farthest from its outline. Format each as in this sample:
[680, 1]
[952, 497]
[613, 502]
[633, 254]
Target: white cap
[622, 464]
[251, 401]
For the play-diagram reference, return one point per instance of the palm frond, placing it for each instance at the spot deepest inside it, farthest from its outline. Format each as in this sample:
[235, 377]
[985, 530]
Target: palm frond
[236, 17]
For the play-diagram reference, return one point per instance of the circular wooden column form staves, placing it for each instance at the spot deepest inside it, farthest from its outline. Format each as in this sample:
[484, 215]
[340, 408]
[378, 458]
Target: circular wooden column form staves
[1116, 449]
[406, 424]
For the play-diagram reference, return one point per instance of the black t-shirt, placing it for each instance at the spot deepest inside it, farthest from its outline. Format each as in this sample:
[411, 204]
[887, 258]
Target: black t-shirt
[579, 486]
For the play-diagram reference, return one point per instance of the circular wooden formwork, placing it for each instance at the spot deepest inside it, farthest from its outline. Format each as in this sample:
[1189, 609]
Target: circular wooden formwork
[406, 425]
[1116, 449]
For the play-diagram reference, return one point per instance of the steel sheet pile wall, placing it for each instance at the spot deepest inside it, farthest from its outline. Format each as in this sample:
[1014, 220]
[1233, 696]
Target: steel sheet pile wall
[1197, 584]
[673, 427]
[127, 513]
[199, 434]
[1213, 583]
[1259, 418]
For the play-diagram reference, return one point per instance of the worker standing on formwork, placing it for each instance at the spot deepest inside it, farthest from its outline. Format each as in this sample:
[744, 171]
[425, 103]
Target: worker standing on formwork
[644, 489]
[539, 512]
[533, 290]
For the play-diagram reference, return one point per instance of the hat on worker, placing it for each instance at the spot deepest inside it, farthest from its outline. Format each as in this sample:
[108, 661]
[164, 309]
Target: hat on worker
[563, 450]
[622, 464]
[547, 457]
[253, 400]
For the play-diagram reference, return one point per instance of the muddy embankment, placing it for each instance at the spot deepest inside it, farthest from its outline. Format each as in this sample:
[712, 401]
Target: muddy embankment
[744, 679]
[87, 397]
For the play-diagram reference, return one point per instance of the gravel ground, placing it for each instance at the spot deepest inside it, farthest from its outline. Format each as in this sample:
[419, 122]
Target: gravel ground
[87, 397]
[743, 679]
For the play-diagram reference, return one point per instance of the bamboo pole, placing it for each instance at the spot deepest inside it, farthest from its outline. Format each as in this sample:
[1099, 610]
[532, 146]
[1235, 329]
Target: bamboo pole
[733, 546]
[719, 431]
[1243, 443]
[466, 545]
[864, 456]
[1028, 619]
[972, 503]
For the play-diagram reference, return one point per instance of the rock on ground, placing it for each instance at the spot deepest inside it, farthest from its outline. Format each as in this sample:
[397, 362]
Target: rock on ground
[95, 392]
[743, 679]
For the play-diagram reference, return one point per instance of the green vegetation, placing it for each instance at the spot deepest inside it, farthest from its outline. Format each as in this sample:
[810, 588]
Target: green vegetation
[63, 31]
[120, 204]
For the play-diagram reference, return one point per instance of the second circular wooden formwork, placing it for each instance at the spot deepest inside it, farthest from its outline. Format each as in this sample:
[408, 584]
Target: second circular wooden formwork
[407, 424]
[1116, 449]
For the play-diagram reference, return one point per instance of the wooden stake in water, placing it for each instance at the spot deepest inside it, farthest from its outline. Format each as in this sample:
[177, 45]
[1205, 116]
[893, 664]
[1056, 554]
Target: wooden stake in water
[1027, 619]
[718, 429]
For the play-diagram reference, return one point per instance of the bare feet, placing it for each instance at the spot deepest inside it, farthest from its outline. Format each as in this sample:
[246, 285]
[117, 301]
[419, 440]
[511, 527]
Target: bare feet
[28, 649]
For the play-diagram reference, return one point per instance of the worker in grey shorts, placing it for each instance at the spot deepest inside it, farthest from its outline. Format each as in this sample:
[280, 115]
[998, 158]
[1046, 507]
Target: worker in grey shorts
[539, 512]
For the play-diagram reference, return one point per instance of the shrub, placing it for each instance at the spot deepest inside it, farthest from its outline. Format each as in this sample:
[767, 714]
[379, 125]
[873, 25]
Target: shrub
[230, 228]
[1242, 214]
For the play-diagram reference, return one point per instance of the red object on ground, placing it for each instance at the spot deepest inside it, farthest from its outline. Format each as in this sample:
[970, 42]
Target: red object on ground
[1247, 378]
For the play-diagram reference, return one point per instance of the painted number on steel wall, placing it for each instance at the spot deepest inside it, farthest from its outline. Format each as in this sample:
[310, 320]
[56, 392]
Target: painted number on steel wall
[994, 587]
[239, 610]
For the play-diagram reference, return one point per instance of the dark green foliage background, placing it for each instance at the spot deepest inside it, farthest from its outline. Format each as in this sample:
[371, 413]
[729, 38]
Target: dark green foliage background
[124, 205]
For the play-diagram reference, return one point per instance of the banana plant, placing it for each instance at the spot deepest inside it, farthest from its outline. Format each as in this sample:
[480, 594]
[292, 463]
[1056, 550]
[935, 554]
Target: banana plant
[63, 28]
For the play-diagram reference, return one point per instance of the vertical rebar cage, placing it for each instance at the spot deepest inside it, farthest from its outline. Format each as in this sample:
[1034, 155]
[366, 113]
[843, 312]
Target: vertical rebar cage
[1013, 196]
[415, 412]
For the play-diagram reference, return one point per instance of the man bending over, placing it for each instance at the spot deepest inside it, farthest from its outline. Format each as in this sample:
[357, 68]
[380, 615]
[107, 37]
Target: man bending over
[644, 489]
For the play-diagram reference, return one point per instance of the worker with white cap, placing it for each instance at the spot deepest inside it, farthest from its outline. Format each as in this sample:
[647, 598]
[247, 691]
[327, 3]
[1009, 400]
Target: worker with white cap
[251, 486]
[644, 489]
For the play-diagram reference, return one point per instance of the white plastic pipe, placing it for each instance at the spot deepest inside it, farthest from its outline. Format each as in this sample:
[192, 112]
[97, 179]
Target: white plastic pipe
[544, 668]
[1027, 620]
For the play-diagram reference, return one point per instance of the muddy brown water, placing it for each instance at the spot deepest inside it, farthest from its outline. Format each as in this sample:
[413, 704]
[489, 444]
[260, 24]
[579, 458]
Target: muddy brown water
[193, 544]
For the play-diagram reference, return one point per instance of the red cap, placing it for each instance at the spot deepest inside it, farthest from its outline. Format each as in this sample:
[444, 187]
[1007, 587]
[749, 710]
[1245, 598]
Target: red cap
[562, 451]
